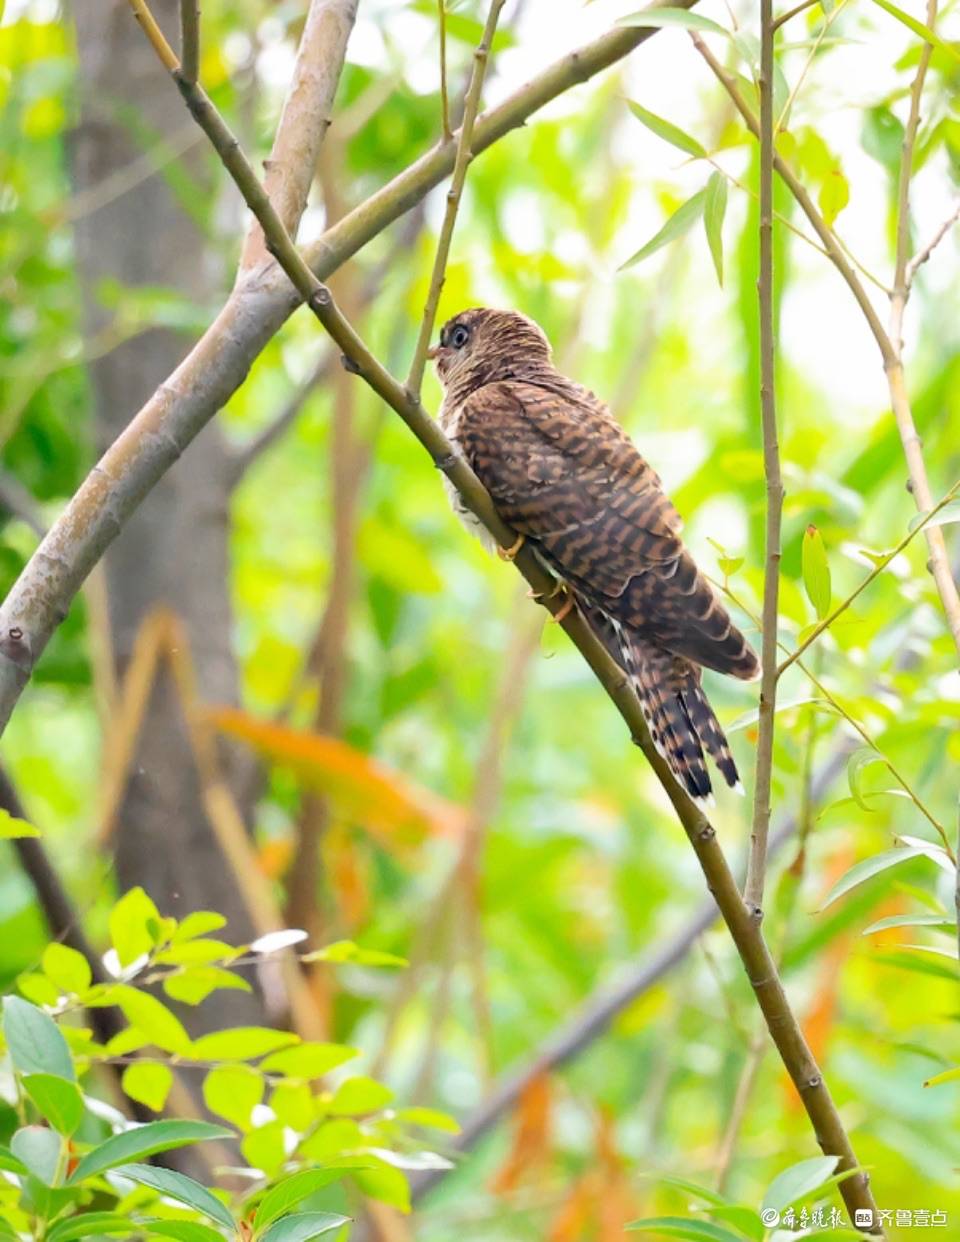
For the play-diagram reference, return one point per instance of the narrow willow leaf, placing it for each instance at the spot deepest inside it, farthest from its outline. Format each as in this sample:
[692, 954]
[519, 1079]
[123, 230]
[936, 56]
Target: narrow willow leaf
[656, 19]
[682, 220]
[918, 28]
[910, 920]
[667, 130]
[173, 1185]
[950, 1075]
[90, 1225]
[681, 1227]
[183, 1231]
[11, 827]
[799, 1180]
[714, 209]
[304, 1226]
[861, 758]
[943, 517]
[816, 571]
[868, 868]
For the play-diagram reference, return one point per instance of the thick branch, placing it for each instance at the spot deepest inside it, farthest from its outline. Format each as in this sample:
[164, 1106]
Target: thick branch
[460, 165]
[305, 118]
[756, 868]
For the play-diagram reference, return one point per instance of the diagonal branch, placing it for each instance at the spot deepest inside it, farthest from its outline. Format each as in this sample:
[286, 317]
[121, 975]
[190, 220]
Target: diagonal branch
[742, 923]
[305, 118]
[461, 163]
[756, 867]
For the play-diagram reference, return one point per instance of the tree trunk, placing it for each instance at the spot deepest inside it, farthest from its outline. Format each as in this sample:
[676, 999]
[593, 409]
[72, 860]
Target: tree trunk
[173, 552]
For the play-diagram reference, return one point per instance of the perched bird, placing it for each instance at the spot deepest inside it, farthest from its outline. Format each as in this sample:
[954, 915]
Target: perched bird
[568, 479]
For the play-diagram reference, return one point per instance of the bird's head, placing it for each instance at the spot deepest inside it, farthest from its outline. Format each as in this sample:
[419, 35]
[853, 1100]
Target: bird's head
[480, 346]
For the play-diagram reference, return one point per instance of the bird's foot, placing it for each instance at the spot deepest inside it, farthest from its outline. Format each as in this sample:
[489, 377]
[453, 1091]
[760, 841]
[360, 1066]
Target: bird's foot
[558, 589]
[509, 554]
[565, 608]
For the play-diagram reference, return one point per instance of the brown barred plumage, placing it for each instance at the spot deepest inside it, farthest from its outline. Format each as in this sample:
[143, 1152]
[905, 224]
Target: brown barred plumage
[563, 473]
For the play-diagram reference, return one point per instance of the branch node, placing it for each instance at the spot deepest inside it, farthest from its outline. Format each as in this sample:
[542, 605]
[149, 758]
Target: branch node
[350, 365]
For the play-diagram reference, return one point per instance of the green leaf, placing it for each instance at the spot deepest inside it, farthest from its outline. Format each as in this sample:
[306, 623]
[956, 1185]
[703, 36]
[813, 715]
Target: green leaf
[91, 1225]
[799, 1180]
[184, 1230]
[743, 1218]
[918, 965]
[148, 1083]
[293, 1103]
[667, 130]
[714, 209]
[680, 1227]
[308, 1060]
[386, 1185]
[178, 1186]
[657, 19]
[10, 1162]
[145, 1140]
[151, 1018]
[131, 920]
[35, 1041]
[67, 968]
[861, 758]
[690, 1188]
[429, 1119]
[194, 984]
[816, 572]
[950, 1075]
[681, 222]
[39, 1149]
[303, 1226]
[198, 952]
[868, 868]
[943, 517]
[360, 1095]
[56, 1099]
[265, 1149]
[11, 827]
[834, 195]
[240, 1043]
[197, 924]
[348, 952]
[233, 1091]
[292, 1190]
[918, 28]
[910, 920]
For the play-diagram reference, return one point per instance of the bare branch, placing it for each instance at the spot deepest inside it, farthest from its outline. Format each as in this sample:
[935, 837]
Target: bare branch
[756, 868]
[189, 39]
[19, 503]
[924, 253]
[464, 155]
[444, 96]
[305, 118]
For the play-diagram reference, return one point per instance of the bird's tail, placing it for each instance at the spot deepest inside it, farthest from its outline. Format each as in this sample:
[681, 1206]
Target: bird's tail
[680, 719]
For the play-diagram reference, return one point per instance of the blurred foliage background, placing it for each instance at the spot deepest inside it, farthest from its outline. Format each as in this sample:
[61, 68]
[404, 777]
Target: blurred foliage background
[509, 841]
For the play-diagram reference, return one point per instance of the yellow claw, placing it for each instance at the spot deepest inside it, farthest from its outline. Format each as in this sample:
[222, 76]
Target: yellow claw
[508, 554]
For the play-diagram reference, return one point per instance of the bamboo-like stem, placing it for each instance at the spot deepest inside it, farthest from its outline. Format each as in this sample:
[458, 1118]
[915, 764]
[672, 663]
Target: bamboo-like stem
[743, 924]
[842, 607]
[190, 39]
[756, 867]
[471, 106]
[444, 93]
[887, 342]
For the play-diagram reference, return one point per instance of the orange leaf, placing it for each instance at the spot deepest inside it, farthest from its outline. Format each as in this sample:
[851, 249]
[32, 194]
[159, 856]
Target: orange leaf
[531, 1140]
[360, 789]
[576, 1215]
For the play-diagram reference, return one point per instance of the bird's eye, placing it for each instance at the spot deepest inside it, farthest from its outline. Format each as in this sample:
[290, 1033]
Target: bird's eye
[459, 336]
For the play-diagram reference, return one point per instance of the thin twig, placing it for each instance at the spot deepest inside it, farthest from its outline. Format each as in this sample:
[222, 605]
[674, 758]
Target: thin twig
[444, 97]
[471, 106]
[790, 13]
[756, 868]
[924, 253]
[245, 456]
[878, 569]
[887, 343]
[189, 39]
[743, 925]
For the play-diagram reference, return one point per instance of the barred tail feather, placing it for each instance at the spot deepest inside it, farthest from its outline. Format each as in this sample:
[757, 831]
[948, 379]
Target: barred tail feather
[672, 730]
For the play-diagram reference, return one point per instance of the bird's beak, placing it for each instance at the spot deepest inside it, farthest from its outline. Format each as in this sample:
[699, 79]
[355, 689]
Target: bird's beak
[432, 352]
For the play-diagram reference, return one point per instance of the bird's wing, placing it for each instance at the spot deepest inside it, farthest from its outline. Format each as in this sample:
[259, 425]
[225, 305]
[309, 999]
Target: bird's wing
[562, 471]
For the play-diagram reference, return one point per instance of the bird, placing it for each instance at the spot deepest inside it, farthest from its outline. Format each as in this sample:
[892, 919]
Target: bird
[566, 477]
